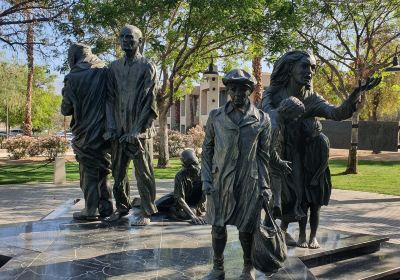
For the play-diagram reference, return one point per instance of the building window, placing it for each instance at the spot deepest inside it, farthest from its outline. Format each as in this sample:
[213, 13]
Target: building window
[223, 98]
[183, 128]
[169, 126]
[203, 96]
[196, 100]
[169, 112]
[183, 106]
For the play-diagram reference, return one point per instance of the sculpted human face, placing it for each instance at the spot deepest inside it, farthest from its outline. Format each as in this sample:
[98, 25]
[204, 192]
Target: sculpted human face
[129, 41]
[239, 94]
[303, 71]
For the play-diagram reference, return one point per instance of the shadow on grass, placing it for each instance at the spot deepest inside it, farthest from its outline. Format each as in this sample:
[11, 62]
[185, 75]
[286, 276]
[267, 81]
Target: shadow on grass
[340, 174]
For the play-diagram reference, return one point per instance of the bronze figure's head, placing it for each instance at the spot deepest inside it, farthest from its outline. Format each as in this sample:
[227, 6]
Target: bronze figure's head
[296, 65]
[290, 109]
[239, 85]
[77, 52]
[130, 39]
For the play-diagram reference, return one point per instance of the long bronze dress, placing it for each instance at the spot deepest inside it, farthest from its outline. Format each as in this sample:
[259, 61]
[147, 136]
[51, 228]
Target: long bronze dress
[294, 147]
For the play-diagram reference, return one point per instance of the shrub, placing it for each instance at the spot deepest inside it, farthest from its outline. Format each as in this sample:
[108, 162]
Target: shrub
[21, 146]
[35, 148]
[177, 142]
[53, 146]
[18, 146]
[196, 135]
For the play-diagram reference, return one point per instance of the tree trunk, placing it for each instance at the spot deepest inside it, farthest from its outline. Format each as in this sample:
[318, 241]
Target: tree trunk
[352, 162]
[192, 109]
[163, 154]
[375, 106]
[177, 125]
[374, 117]
[27, 127]
[257, 72]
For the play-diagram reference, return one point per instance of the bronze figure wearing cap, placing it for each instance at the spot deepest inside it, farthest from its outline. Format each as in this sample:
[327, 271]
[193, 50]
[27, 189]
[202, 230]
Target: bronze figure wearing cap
[234, 169]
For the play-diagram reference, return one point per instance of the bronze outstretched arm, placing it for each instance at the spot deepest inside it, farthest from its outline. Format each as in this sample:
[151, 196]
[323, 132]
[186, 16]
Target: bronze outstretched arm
[370, 83]
[317, 106]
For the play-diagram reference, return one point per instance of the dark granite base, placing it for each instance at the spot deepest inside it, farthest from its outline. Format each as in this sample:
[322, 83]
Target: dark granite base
[384, 265]
[335, 246]
[63, 249]
[60, 248]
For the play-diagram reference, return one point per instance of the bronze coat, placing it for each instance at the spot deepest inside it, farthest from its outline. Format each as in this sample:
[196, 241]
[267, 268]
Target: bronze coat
[235, 159]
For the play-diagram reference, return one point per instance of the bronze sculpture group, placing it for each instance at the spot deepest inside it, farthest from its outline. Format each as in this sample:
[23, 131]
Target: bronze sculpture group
[248, 152]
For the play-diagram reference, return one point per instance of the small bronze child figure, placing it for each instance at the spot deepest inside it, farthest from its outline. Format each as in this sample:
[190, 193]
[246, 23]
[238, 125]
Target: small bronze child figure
[187, 202]
[234, 169]
[289, 110]
[317, 179]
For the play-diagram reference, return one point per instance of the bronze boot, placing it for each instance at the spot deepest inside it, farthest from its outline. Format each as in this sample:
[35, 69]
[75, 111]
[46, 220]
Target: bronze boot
[217, 273]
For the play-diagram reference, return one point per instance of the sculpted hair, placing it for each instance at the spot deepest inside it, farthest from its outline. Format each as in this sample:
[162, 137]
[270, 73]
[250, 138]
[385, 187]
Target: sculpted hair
[280, 74]
[291, 104]
[135, 31]
[77, 52]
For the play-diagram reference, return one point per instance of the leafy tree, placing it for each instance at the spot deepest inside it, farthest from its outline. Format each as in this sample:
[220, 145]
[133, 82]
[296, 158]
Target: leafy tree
[25, 22]
[354, 37]
[11, 93]
[180, 37]
[45, 106]
[384, 100]
[17, 15]
[380, 102]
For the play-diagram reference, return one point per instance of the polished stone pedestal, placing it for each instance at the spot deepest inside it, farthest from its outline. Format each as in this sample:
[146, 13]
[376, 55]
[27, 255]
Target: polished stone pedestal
[335, 246]
[345, 255]
[382, 264]
[59, 248]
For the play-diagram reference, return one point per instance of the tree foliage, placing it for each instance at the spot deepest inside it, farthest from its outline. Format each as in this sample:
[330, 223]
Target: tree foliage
[381, 102]
[180, 36]
[355, 36]
[16, 15]
[45, 106]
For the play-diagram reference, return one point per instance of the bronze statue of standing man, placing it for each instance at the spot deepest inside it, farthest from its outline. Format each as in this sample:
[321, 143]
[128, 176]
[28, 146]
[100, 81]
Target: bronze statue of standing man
[234, 169]
[84, 98]
[131, 110]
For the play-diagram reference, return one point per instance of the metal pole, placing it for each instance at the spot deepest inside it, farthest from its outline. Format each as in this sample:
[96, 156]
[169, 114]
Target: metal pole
[65, 127]
[7, 121]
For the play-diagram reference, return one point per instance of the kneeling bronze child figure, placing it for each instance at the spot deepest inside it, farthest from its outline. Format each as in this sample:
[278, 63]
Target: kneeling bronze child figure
[187, 202]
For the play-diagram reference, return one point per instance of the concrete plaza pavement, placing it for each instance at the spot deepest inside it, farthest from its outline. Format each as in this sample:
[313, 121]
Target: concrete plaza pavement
[350, 211]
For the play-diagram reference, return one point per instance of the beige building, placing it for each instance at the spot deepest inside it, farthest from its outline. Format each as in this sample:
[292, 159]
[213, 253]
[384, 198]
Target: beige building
[194, 108]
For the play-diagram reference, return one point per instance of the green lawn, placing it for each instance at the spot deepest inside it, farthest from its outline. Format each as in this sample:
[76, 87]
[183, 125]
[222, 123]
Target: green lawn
[374, 176]
[42, 172]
